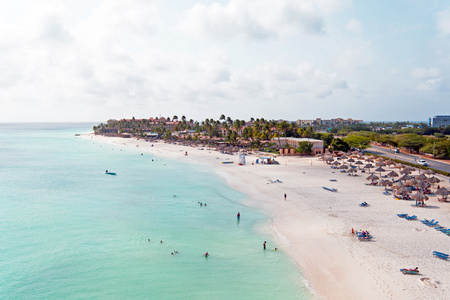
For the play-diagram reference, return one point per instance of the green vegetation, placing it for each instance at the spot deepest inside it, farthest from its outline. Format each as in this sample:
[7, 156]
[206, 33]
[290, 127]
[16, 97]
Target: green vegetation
[257, 134]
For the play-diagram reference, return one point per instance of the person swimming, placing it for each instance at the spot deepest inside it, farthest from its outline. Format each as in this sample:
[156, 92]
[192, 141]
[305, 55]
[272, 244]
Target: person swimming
[206, 254]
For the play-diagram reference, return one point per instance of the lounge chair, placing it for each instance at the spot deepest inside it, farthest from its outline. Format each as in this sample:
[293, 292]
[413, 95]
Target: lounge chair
[411, 217]
[433, 224]
[410, 271]
[440, 255]
[402, 215]
[425, 221]
[364, 204]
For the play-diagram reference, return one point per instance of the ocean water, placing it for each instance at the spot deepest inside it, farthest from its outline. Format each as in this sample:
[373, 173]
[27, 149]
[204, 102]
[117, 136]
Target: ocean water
[69, 231]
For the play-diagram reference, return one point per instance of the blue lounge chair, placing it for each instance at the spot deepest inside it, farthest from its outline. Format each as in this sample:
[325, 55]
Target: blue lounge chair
[364, 204]
[440, 255]
[411, 217]
[425, 221]
[402, 215]
[433, 224]
[444, 230]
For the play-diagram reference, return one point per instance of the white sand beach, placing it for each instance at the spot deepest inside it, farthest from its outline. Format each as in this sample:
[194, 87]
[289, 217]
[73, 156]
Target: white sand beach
[314, 225]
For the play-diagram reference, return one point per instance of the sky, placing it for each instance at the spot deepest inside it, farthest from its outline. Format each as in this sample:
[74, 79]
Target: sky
[94, 60]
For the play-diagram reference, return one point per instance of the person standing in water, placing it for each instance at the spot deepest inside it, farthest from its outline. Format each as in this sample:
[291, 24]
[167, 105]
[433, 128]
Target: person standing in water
[238, 215]
[264, 245]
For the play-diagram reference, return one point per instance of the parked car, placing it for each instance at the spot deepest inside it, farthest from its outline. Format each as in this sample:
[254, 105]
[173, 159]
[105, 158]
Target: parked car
[422, 162]
[396, 150]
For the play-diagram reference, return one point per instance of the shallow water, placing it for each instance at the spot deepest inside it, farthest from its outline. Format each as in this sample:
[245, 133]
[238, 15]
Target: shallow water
[68, 231]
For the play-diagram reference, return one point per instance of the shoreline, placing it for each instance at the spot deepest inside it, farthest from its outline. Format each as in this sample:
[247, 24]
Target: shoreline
[314, 225]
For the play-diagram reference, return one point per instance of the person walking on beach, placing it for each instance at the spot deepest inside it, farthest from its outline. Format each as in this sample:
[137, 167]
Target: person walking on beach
[285, 196]
[264, 245]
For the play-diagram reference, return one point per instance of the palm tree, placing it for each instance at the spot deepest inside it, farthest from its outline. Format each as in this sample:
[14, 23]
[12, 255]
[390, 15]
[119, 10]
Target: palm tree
[222, 117]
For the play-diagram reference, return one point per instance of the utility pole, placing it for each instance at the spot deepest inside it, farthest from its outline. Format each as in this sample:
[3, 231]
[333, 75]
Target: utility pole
[434, 148]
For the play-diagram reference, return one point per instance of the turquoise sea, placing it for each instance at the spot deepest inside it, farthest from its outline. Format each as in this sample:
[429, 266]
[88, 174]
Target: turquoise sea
[69, 231]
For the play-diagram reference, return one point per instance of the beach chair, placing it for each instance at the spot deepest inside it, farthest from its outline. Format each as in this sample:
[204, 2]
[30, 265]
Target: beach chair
[425, 221]
[410, 271]
[411, 217]
[440, 255]
[433, 224]
[364, 204]
[402, 215]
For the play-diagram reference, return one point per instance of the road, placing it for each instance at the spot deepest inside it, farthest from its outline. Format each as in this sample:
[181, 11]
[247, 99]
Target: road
[408, 158]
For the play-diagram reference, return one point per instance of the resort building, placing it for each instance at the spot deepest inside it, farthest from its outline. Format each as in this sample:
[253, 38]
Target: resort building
[438, 121]
[329, 123]
[317, 147]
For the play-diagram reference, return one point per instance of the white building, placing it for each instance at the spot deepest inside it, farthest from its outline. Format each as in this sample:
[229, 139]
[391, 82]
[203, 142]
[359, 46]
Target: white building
[317, 147]
[438, 121]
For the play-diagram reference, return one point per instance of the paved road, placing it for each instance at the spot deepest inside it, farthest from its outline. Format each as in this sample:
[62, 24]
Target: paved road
[408, 158]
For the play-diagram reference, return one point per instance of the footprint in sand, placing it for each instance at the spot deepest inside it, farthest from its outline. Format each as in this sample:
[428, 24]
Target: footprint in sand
[427, 281]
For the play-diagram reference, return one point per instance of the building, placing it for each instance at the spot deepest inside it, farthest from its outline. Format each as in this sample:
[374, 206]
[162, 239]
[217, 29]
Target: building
[317, 147]
[328, 123]
[438, 121]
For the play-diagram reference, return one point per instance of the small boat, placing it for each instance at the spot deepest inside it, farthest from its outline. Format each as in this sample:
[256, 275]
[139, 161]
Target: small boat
[228, 162]
[331, 190]
[110, 173]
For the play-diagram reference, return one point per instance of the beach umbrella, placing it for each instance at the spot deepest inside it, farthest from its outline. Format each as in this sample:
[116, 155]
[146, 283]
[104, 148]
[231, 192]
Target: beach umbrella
[368, 166]
[398, 185]
[359, 163]
[422, 184]
[433, 180]
[404, 178]
[385, 183]
[389, 162]
[405, 171]
[420, 198]
[380, 169]
[372, 177]
[411, 182]
[352, 170]
[335, 163]
[399, 166]
[343, 167]
[443, 192]
[392, 174]
[403, 191]
[380, 164]
[429, 172]
[421, 177]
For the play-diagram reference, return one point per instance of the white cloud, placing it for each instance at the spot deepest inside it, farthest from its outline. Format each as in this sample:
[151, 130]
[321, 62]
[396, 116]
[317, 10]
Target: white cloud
[430, 79]
[354, 59]
[259, 19]
[354, 26]
[423, 73]
[430, 84]
[443, 22]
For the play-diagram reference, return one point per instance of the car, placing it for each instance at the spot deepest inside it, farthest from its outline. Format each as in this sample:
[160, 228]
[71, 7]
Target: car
[397, 150]
[422, 162]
